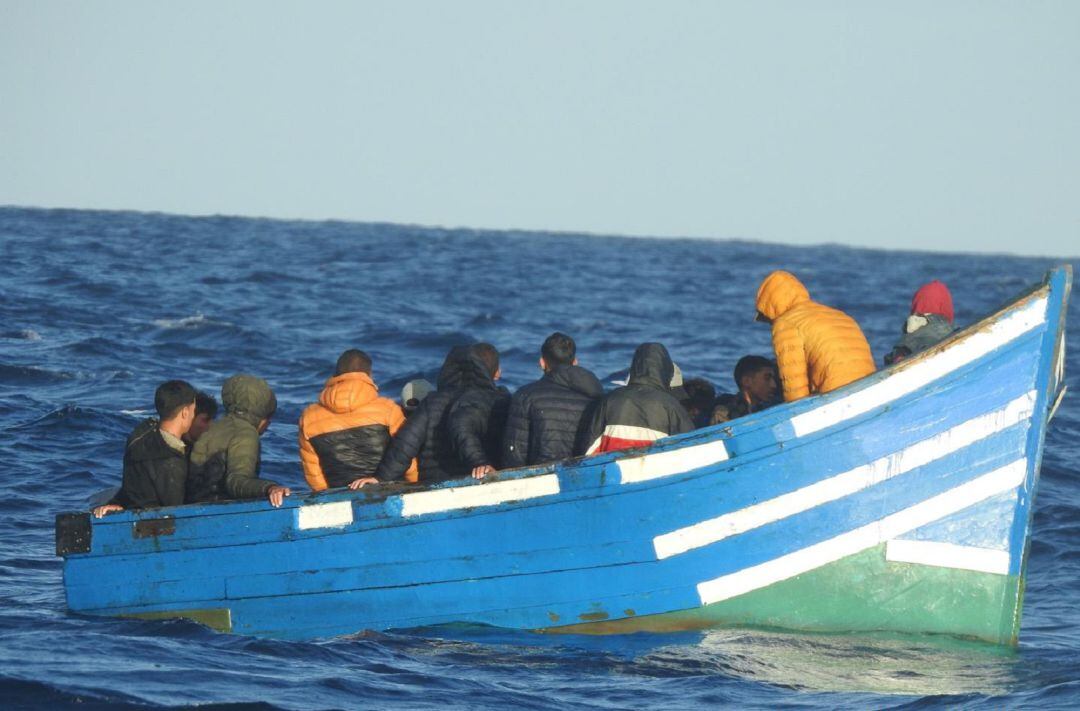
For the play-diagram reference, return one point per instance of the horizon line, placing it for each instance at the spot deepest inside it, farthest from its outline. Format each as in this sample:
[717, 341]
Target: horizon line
[543, 231]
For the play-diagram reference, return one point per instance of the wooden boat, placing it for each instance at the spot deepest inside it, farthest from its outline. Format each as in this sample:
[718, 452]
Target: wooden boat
[901, 502]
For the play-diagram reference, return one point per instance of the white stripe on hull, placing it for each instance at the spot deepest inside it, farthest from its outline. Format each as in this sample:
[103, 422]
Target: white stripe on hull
[676, 461]
[948, 555]
[333, 515]
[462, 497]
[918, 375]
[849, 482]
[999, 481]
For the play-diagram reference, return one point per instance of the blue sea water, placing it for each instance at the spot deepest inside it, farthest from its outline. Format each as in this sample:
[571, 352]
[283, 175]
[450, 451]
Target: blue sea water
[96, 308]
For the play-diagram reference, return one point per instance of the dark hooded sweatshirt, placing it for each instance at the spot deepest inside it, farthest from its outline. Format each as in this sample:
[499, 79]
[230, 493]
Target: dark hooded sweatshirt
[426, 434]
[154, 470]
[225, 461]
[640, 412]
[547, 417]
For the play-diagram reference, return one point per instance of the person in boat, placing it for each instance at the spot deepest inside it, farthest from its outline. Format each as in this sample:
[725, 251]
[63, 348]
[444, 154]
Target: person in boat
[758, 389]
[723, 407]
[930, 322]
[818, 348]
[477, 419]
[413, 394]
[425, 435]
[225, 461]
[206, 409]
[155, 456]
[547, 416]
[642, 411]
[699, 398]
[344, 435]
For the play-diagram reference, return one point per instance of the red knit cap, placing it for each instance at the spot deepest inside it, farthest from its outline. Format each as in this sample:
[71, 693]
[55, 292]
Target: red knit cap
[933, 298]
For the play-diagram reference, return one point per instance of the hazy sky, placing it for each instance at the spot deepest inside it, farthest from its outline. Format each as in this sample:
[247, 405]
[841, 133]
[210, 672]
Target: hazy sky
[942, 125]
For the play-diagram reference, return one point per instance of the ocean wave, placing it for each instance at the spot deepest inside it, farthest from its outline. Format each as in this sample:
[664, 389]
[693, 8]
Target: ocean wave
[26, 334]
[23, 375]
[189, 322]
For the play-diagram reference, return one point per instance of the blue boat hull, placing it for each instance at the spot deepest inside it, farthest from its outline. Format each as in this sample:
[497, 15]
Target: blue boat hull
[920, 476]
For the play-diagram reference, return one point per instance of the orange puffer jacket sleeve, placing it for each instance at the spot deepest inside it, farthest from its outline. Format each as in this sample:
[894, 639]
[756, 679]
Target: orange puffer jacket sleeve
[309, 460]
[818, 349]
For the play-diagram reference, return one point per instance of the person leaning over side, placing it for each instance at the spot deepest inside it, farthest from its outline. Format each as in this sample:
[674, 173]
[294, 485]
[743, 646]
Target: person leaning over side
[642, 411]
[478, 417]
[425, 435]
[225, 460]
[155, 458]
[818, 348]
[343, 436]
[547, 416]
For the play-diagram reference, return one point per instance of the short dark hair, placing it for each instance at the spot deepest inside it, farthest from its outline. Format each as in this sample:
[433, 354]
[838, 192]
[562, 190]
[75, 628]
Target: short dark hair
[205, 404]
[700, 393]
[748, 365]
[353, 361]
[489, 354]
[558, 349]
[172, 395]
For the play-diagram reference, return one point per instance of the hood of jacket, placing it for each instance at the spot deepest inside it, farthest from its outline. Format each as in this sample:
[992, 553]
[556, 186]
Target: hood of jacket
[652, 366]
[779, 293]
[576, 378]
[463, 368]
[933, 298]
[348, 392]
[248, 397]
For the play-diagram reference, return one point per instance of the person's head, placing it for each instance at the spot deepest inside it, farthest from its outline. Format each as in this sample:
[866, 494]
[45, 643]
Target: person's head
[700, 395]
[174, 401]
[722, 409]
[206, 408]
[652, 365]
[353, 361]
[250, 399]
[490, 357]
[755, 376]
[414, 393]
[779, 293]
[933, 298]
[558, 349]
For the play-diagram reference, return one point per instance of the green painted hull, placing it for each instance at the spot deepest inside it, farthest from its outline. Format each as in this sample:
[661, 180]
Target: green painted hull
[861, 593]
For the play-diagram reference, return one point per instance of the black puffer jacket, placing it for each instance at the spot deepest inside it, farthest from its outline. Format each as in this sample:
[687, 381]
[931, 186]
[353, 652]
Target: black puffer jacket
[641, 412]
[477, 421]
[154, 471]
[547, 417]
[426, 434]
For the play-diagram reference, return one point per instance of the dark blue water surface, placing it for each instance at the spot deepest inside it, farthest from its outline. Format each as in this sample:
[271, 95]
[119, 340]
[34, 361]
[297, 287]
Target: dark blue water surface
[96, 308]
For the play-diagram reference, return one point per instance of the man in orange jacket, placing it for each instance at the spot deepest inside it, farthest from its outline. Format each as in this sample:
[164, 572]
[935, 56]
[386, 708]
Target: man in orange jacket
[343, 435]
[818, 349]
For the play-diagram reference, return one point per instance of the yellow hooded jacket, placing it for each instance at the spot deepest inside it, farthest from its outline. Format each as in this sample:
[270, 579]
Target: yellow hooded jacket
[818, 349]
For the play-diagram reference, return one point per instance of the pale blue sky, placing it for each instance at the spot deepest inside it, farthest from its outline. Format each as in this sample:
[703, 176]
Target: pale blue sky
[939, 125]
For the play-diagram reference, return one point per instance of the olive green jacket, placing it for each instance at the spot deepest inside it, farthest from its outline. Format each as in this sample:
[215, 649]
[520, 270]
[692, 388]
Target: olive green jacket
[225, 463]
